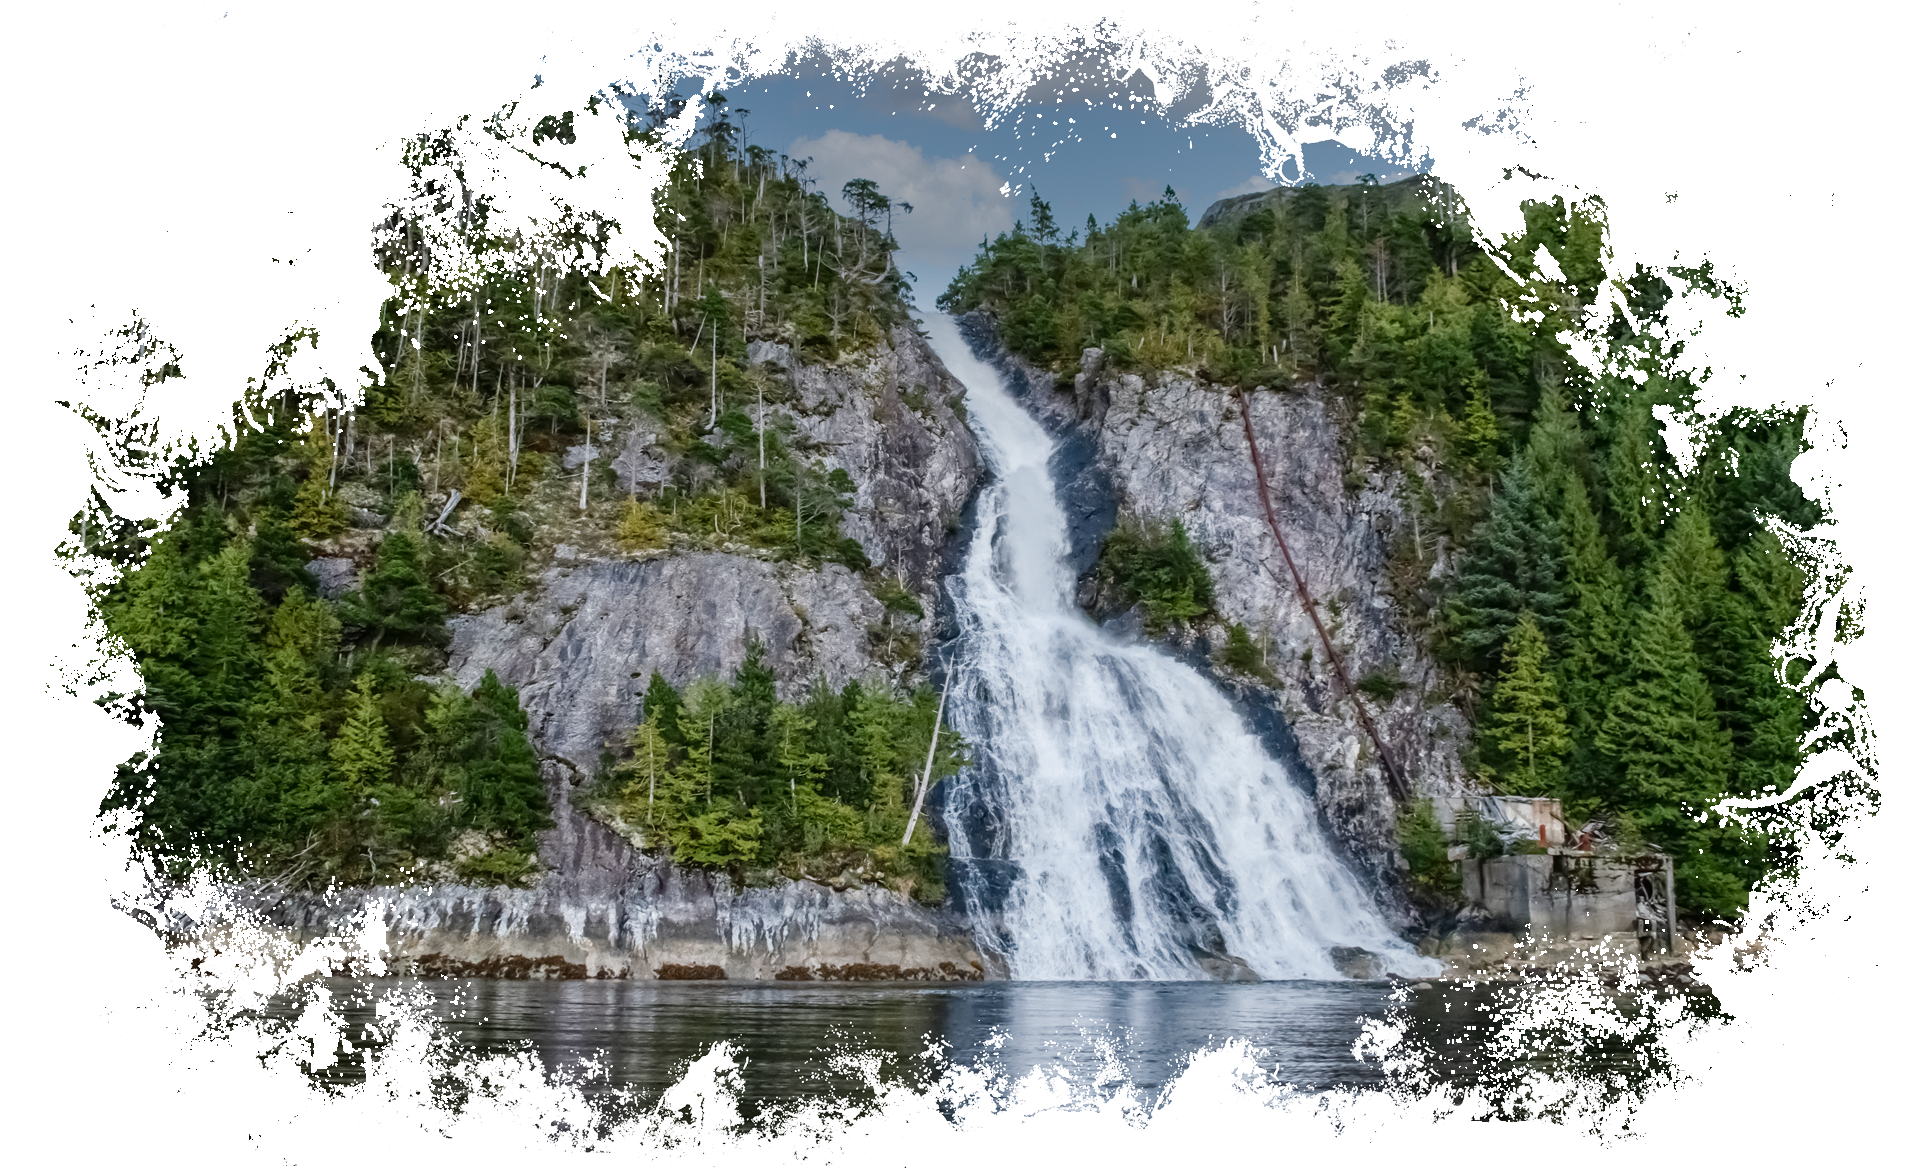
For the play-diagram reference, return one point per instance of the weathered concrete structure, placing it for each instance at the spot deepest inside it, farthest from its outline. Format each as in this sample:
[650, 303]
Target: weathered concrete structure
[1554, 885]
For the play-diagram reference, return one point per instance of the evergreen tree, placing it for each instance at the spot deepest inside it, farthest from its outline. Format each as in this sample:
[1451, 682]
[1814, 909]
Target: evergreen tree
[1478, 437]
[1515, 564]
[361, 755]
[792, 731]
[1556, 446]
[743, 762]
[500, 788]
[706, 700]
[1527, 724]
[1675, 758]
[1636, 492]
[278, 563]
[662, 703]
[317, 512]
[875, 723]
[395, 597]
[1693, 563]
[649, 764]
[286, 793]
[1762, 712]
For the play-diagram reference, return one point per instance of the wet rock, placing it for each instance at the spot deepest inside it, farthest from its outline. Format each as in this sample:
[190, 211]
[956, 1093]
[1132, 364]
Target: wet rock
[1357, 963]
[1226, 967]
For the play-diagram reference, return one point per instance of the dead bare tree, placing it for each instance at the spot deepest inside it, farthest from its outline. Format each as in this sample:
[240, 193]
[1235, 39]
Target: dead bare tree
[926, 776]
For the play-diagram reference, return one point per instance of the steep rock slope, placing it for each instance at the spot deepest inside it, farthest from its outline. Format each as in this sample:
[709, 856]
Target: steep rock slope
[580, 644]
[1173, 447]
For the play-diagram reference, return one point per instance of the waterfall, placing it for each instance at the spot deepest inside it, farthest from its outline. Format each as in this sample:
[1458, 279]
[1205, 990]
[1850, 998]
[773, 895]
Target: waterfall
[1120, 819]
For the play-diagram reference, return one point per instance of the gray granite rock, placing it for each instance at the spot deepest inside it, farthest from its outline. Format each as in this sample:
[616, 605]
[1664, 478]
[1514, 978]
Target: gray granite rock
[889, 421]
[582, 643]
[336, 575]
[1174, 447]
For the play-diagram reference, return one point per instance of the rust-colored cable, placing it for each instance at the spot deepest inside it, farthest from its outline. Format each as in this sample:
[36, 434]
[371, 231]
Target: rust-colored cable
[1394, 777]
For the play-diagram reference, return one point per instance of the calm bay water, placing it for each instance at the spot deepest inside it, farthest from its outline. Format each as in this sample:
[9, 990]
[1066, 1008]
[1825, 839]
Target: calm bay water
[645, 1032]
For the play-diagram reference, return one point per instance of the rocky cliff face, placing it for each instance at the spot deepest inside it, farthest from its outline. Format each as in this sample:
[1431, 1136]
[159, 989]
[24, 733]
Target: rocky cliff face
[1173, 447]
[896, 425]
[580, 644]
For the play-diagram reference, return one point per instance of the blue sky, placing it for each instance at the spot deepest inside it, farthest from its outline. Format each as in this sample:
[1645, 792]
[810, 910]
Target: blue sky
[934, 152]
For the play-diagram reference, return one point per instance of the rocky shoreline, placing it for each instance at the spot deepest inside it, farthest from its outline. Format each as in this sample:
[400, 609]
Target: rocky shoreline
[666, 924]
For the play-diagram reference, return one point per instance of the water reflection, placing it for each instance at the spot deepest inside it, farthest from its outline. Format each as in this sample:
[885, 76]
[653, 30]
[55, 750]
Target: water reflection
[646, 1032]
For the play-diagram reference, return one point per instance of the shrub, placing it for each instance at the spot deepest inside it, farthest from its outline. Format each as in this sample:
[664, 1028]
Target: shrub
[1242, 654]
[1425, 847]
[642, 527]
[1156, 565]
[1380, 686]
[1482, 836]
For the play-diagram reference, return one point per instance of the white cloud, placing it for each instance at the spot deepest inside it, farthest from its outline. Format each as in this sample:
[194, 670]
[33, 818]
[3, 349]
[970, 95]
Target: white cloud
[1253, 185]
[955, 200]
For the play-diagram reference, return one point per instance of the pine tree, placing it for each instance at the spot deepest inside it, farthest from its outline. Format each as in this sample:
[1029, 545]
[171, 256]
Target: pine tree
[706, 700]
[396, 597]
[286, 792]
[279, 563]
[662, 705]
[648, 766]
[316, 514]
[1636, 492]
[501, 789]
[1691, 559]
[226, 644]
[361, 755]
[743, 756]
[1526, 725]
[1514, 564]
[1479, 435]
[317, 511]
[1675, 757]
[874, 722]
[1597, 620]
[791, 732]
[1556, 446]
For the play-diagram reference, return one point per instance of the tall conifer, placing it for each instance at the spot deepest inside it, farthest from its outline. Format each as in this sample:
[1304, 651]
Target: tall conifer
[1515, 565]
[1675, 758]
[1636, 492]
[1528, 726]
[361, 755]
[396, 597]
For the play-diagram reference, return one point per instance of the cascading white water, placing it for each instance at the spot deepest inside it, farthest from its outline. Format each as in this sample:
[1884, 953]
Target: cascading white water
[1138, 822]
